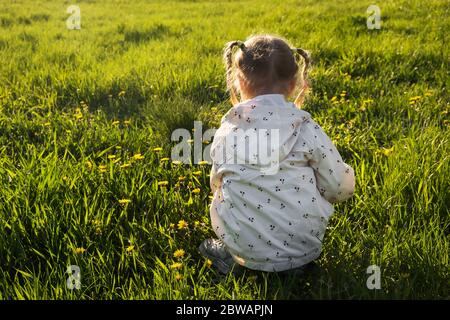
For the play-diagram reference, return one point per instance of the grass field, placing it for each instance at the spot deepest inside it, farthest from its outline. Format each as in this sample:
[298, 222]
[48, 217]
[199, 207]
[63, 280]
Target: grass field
[83, 113]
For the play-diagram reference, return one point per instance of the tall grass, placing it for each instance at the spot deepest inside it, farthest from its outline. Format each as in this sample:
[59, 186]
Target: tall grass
[78, 106]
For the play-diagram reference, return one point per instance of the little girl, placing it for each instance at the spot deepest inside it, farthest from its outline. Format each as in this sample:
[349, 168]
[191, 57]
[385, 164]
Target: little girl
[271, 220]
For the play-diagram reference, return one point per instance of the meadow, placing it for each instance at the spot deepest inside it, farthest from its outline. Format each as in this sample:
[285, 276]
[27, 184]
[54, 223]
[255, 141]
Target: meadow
[86, 117]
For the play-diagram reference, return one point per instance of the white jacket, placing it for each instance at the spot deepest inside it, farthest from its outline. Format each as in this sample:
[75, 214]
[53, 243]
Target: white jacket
[275, 220]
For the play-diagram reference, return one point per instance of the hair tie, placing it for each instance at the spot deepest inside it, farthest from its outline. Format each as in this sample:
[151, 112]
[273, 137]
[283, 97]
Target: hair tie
[241, 45]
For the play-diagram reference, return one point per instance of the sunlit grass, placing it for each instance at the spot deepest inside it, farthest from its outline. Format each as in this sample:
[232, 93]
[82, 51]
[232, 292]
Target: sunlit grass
[85, 171]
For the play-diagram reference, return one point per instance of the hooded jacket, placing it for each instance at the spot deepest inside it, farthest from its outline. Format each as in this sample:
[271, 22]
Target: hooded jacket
[275, 174]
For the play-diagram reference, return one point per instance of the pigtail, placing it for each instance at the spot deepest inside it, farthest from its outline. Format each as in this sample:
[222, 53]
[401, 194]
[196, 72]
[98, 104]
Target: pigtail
[228, 58]
[305, 83]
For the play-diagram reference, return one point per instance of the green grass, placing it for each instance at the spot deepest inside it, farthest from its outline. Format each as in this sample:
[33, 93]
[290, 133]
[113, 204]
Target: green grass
[166, 57]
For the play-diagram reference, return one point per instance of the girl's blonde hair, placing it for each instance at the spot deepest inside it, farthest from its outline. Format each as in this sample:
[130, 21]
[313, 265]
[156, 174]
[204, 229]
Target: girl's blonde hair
[265, 59]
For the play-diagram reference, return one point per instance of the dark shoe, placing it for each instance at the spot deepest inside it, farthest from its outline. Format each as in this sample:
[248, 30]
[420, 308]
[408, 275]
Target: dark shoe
[216, 251]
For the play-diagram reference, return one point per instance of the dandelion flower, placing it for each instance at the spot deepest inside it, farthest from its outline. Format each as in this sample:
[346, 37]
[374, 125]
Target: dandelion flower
[179, 253]
[196, 191]
[181, 178]
[178, 277]
[138, 156]
[176, 265]
[208, 263]
[157, 149]
[163, 183]
[125, 165]
[80, 250]
[204, 162]
[102, 168]
[124, 201]
[165, 159]
[387, 152]
[182, 225]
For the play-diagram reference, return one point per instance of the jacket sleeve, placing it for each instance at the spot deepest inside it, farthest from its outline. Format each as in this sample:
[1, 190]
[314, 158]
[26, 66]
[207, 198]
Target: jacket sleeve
[335, 179]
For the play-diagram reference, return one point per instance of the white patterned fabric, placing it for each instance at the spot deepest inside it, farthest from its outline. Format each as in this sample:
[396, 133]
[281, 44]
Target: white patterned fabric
[275, 220]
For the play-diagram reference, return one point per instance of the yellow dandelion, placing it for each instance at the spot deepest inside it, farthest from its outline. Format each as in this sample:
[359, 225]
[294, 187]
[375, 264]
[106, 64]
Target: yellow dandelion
[102, 168]
[178, 277]
[130, 248]
[179, 253]
[181, 178]
[196, 191]
[333, 99]
[157, 149]
[387, 152]
[124, 201]
[208, 263]
[138, 156]
[202, 163]
[176, 265]
[115, 123]
[197, 173]
[163, 183]
[164, 159]
[182, 225]
[80, 250]
[210, 197]
[415, 98]
[125, 165]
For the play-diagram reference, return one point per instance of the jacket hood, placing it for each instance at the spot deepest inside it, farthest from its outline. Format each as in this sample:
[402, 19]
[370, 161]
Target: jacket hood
[258, 133]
